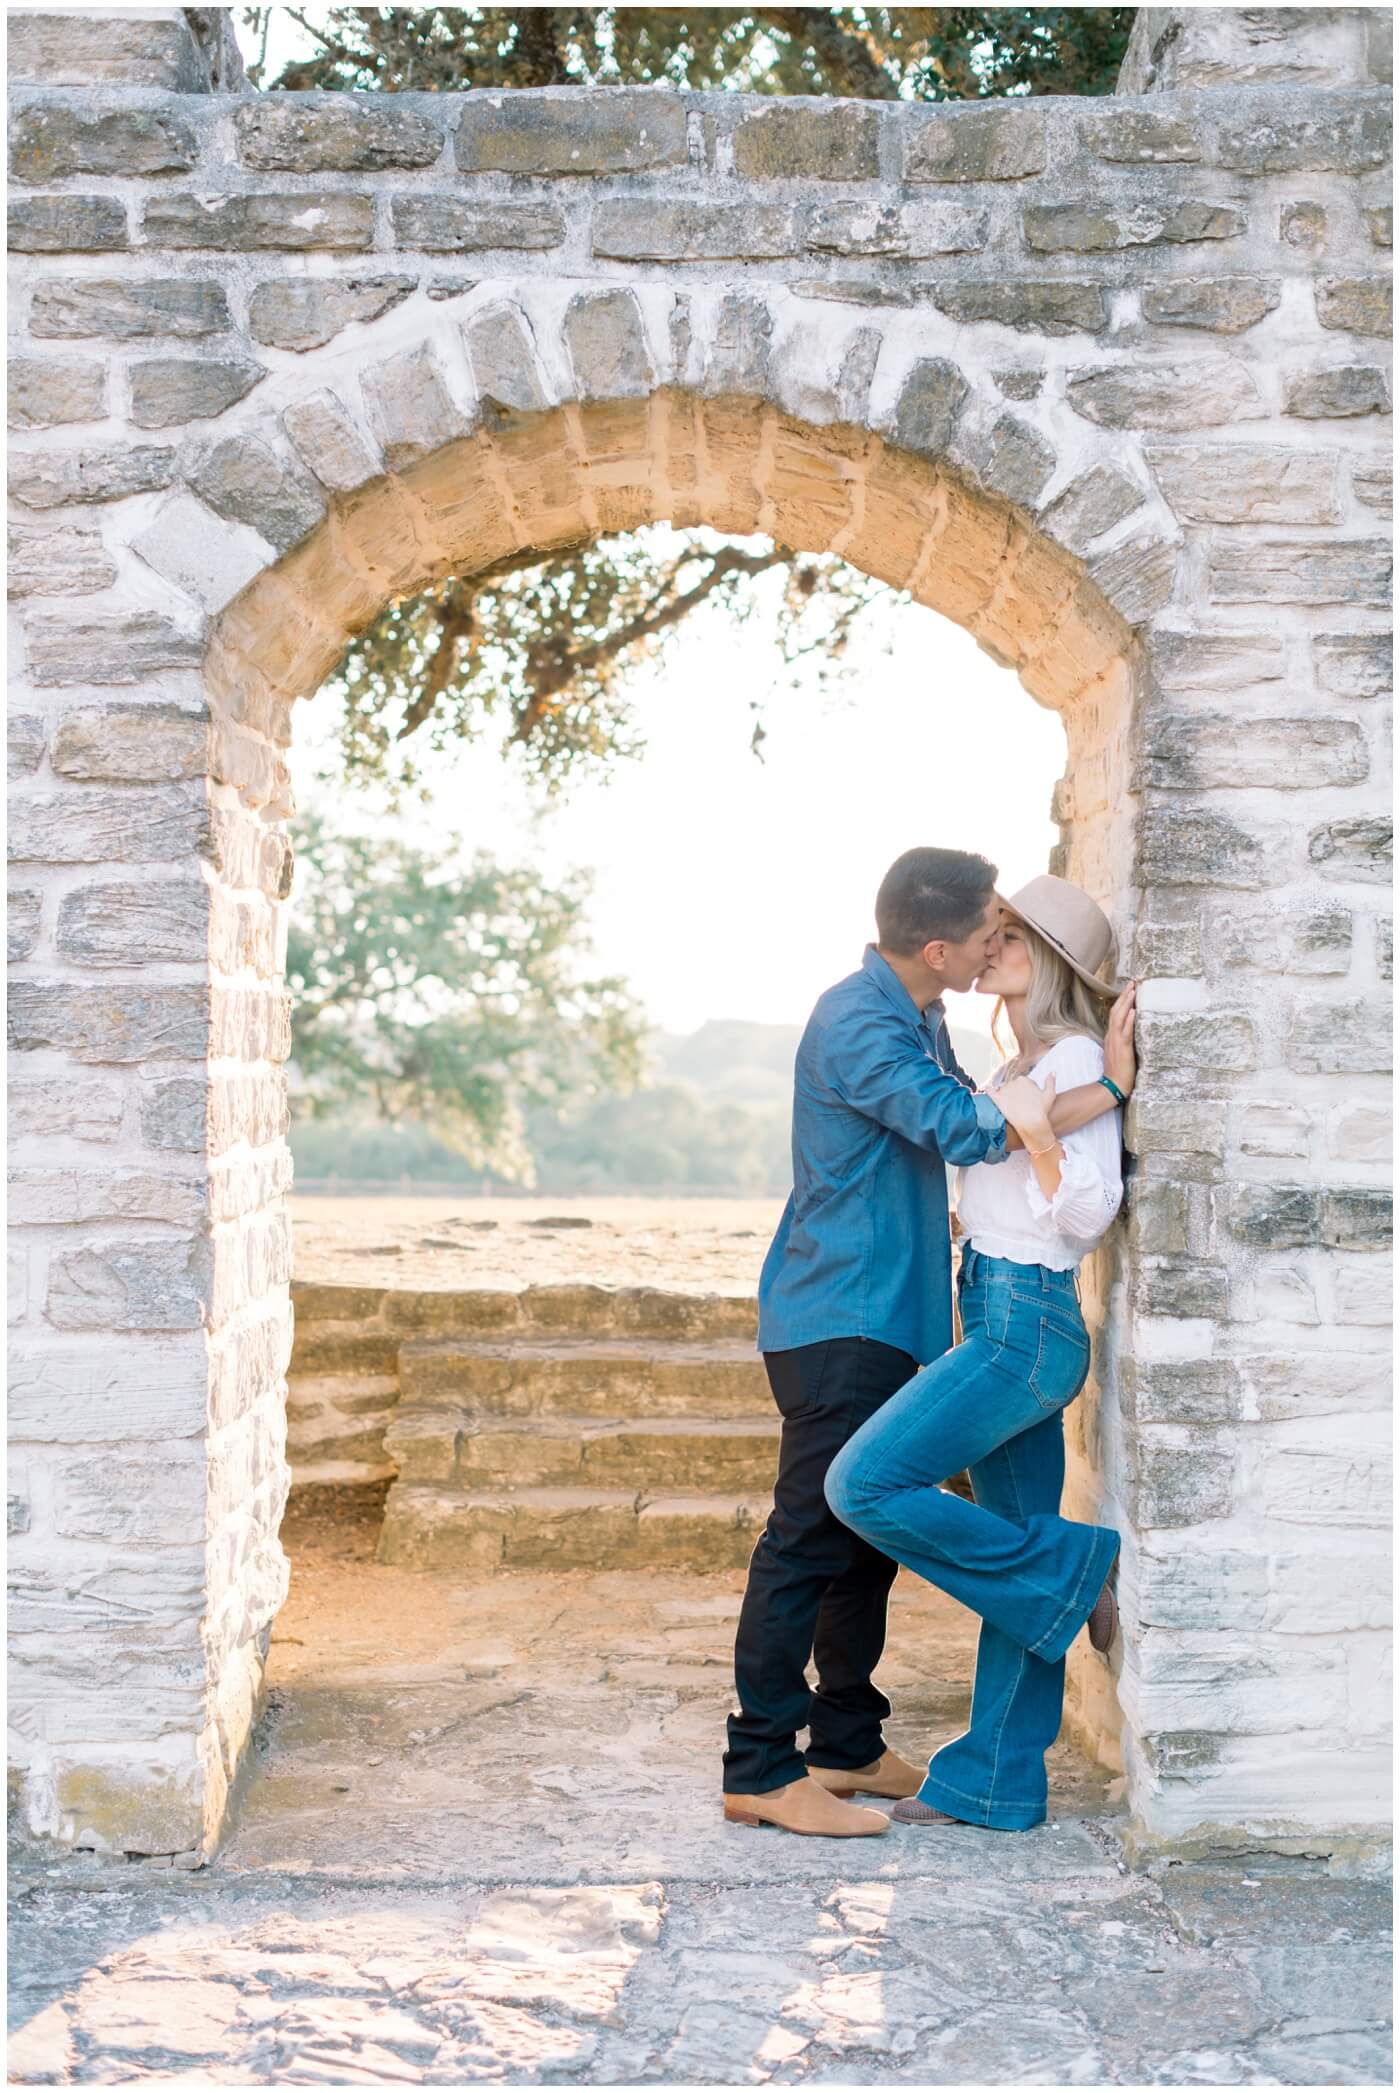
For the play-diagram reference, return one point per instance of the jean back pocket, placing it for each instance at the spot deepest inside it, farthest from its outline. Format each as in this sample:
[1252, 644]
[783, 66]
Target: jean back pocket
[1061, 1362]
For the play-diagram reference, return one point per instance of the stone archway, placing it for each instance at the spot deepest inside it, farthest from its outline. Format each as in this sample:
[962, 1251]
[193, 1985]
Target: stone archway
[703, 309]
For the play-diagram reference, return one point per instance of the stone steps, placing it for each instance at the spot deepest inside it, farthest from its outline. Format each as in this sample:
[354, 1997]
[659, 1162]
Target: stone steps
[573, 1451]
[518, 1445]
[565, 1312]
[606, 1378]
[585, 1350]
[453, 1447]
[564, 1529]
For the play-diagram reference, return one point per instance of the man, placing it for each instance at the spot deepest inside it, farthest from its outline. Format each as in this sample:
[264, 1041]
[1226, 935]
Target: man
[855, 1296]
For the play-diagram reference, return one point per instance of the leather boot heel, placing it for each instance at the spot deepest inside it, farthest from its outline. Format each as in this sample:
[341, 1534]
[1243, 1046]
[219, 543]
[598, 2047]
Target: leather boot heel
[734, 1816]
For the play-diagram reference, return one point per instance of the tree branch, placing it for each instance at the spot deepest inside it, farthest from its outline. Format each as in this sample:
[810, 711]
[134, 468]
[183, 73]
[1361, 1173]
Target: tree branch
[538, 50]
[455, 623]
[333, 47]
[840, 52]
[456, 620]
[646, 625]
[649, 622]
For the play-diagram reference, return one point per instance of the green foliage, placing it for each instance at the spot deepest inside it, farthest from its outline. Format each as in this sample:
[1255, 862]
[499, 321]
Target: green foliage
[548, 646]
[446, 991]
[881, 53]
[969, 53]
[657, 1140]
[551, 644]
[713, 1114]
[349, 1146]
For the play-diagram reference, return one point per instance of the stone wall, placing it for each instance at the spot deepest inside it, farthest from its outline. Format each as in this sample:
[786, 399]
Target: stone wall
[1104, 381]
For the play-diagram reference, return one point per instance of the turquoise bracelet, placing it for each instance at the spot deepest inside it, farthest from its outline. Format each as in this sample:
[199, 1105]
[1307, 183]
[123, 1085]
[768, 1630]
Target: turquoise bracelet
[1112, 1087]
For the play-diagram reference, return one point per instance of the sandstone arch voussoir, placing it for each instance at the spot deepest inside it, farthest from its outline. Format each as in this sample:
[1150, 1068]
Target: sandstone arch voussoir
[331, 439]
[255, 479]
[609, 353]
[505, 364]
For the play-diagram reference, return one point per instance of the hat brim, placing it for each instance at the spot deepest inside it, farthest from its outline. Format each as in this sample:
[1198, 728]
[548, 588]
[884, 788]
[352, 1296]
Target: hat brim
[1106, 989]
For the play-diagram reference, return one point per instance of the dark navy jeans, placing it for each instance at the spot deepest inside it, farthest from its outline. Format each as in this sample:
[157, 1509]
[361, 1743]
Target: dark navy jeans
[992, 1405]
[816, 1591]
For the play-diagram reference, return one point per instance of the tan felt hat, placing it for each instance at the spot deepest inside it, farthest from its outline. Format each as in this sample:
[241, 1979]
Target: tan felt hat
[1072, 924]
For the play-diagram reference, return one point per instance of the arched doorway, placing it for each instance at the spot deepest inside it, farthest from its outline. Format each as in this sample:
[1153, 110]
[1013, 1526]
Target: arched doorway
[478, 483]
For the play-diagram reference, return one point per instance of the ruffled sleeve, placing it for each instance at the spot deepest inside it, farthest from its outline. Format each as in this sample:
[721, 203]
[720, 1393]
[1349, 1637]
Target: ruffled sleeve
[1090, 1190]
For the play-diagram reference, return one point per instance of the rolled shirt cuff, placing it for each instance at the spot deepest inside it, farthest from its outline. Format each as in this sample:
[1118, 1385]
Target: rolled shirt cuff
[992, 1123]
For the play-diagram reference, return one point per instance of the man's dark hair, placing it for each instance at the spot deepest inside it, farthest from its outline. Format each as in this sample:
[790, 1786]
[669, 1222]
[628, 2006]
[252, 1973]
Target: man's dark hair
[930, 894]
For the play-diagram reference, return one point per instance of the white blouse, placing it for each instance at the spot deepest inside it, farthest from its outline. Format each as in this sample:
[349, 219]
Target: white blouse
[1002, 1209]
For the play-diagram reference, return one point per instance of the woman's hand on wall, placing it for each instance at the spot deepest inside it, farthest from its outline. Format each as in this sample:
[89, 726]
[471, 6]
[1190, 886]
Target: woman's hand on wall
[1119, 1053]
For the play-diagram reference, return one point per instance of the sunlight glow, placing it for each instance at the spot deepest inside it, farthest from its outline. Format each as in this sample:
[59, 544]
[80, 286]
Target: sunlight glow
[732, 887]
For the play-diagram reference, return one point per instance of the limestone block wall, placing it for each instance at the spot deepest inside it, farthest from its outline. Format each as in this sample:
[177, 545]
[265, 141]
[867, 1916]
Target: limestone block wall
[1105, 381]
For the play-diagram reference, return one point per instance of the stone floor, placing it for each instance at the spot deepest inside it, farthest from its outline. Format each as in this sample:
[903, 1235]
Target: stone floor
[481, 1842]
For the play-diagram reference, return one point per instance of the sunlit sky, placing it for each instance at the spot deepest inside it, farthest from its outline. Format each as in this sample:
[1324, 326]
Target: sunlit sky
[729, 888]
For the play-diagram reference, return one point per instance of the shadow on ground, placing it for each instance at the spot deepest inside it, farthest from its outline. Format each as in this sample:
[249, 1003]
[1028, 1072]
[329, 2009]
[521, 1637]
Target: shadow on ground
[481, 1841]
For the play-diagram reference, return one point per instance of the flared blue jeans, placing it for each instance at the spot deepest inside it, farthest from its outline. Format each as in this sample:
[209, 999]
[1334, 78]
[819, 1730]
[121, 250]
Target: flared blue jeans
[993, 1405]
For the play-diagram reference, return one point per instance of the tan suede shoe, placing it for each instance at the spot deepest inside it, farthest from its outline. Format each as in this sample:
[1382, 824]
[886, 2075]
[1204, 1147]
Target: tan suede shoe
[805, 1806]
[888, 1775]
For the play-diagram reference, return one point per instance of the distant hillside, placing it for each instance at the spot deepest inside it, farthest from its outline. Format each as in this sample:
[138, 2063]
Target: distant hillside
[713, 1116]
[729, 1058]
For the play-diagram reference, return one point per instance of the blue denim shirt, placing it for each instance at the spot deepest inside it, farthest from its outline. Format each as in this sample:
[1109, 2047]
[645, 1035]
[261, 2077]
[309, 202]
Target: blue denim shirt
[879, 1106]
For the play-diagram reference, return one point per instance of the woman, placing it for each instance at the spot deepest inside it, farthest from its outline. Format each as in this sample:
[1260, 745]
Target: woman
[993, 1405]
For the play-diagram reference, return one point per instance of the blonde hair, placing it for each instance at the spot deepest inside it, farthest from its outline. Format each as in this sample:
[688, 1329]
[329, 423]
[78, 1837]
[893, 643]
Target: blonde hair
[1058, 1004]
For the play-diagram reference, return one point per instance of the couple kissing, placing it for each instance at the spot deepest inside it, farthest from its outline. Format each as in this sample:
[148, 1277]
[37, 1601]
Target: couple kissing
[878, 1404]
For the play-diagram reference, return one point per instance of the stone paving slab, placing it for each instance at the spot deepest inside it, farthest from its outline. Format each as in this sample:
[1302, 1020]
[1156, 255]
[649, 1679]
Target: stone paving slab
[541, 1725]
[482, 1843]
[895, 1976]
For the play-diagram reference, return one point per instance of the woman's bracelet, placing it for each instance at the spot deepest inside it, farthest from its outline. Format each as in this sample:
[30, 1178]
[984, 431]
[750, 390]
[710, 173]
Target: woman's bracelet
[1043, 1151]
[1112, 1088]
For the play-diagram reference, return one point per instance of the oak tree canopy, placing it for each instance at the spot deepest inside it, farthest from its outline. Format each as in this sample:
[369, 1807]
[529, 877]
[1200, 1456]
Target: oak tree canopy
[548, 643]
